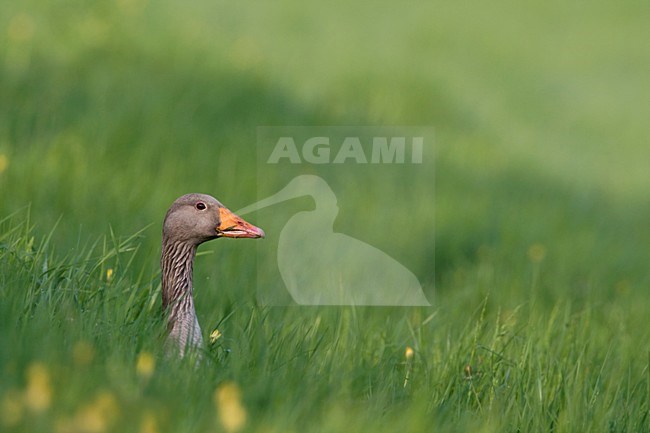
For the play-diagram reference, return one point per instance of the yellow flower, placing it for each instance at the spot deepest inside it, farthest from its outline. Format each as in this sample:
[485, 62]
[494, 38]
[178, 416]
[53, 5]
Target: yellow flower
[145, 365]
[11, 409]
[536, 253]
[215, 335]
[408, 354]
[4, 162]
[82, 353]
[232, 414]
[109, 274]
[38, 394]
[148, 423]
[97, 416]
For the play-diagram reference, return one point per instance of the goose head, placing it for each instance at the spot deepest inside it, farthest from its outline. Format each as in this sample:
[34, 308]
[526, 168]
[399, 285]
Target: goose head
[191, 220]
[197, 218]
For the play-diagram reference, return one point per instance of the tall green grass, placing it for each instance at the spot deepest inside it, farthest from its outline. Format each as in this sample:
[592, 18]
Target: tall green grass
[538, 276]
[475, 365]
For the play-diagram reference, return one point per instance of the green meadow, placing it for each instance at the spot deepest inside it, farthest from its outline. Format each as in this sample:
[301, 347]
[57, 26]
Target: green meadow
[531, 235]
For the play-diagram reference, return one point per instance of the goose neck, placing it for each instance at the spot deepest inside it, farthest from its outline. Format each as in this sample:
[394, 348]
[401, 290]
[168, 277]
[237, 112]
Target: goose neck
[177, 263]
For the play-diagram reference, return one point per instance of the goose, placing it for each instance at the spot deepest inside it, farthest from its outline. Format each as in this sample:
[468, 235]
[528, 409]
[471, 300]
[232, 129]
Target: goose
[190, 221]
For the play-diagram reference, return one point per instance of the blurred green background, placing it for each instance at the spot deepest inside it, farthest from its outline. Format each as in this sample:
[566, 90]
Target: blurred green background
[111, 109]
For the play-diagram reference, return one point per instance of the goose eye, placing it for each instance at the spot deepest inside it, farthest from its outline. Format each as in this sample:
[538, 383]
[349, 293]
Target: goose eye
[200, 205]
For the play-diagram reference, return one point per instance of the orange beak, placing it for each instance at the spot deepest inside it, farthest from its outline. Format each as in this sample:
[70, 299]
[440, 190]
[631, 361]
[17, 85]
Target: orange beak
[233, 226]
